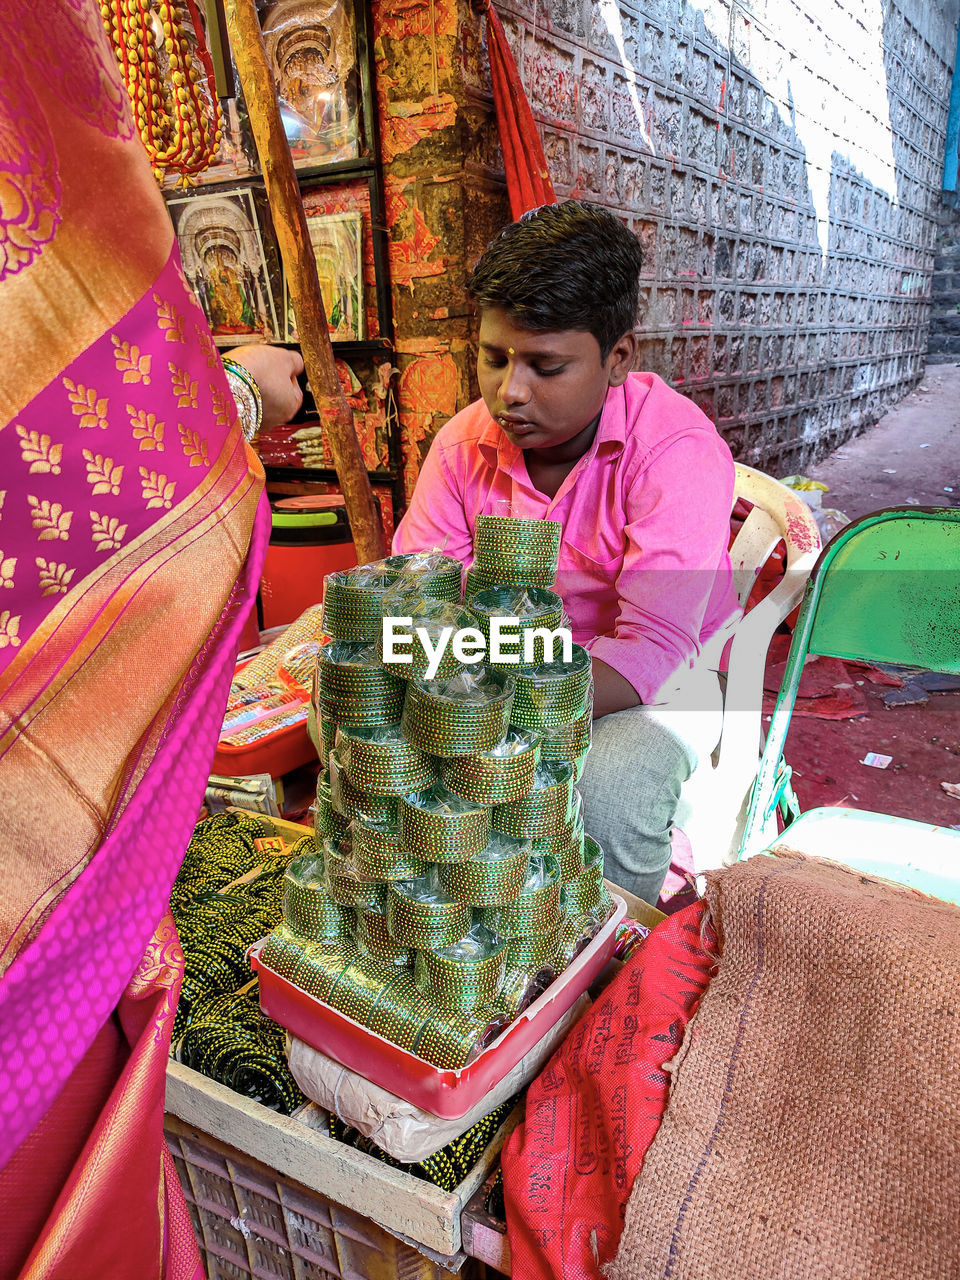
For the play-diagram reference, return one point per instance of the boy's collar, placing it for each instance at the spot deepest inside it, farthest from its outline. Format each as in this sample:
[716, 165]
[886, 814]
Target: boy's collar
[611, 433]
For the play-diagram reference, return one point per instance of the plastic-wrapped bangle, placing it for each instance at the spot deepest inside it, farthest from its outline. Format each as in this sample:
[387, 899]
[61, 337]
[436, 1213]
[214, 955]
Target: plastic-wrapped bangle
[453, 1040]
[326, 820]
[462, 982]
[477, 581]
[575, 932]
[580, 895]
[553, 693]
[380, 761]
[438, 826]
[544, 810]
[374, 939]
[421, 925]
[592, 859]
[539, 949]
[312, 914]
[567, 848]
[352, 687]
[521, 986]
[327, 732]
[360, 986]
[344, 884]
[521, 552]
[352, 803]
[443, 726]
[282, 951]
[533, 607]
[571, 860]
[400, 1013]
[353, 603]
[354, 599]
[431, 617]
[320, 967]
[438, 581]
[500, 775]
[569, 741]
[535, 911]
[380, 854]
[495, 875]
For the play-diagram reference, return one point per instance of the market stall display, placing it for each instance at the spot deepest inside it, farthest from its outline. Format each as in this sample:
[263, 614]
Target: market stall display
[441, 907]
[461, 874]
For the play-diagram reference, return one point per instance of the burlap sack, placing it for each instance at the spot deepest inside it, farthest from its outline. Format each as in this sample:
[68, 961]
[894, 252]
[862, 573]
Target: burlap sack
[814, 1126]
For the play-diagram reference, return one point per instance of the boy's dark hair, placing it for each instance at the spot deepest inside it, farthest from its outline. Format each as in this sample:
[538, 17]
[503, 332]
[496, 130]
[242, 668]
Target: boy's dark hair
[563, 266]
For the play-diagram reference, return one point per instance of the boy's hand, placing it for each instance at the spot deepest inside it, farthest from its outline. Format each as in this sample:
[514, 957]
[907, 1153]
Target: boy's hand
[611, 691]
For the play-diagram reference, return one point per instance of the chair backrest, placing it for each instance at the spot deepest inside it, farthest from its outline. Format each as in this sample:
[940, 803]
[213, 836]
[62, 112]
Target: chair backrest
[887, 589]
[713, 799]
[777, 514]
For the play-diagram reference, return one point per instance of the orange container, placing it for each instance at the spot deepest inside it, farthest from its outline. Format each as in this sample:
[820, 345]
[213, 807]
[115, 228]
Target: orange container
[310, 538]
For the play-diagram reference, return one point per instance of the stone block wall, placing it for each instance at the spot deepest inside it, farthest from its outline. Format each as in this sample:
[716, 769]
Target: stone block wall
[944, 346]
[780, 163]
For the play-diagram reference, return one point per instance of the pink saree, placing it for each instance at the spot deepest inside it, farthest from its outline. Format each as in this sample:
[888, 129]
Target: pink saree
[130, 548]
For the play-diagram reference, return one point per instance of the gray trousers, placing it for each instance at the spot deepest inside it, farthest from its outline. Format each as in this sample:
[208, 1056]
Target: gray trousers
[638, 762]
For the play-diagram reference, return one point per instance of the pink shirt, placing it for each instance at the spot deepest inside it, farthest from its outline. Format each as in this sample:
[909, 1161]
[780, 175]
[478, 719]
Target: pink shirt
[644, 570]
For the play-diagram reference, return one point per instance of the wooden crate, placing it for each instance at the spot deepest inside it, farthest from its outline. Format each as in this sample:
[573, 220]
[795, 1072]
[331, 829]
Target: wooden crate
[271, 1197]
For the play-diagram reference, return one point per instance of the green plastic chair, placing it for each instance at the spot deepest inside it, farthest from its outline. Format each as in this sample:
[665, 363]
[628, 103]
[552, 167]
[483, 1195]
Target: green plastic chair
[884, 589]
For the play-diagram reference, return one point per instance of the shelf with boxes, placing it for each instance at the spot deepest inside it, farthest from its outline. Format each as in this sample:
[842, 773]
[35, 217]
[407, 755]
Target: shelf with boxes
[321, 57]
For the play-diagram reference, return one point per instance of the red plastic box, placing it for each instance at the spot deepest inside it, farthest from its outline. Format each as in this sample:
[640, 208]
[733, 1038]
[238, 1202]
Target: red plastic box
[448, 1094]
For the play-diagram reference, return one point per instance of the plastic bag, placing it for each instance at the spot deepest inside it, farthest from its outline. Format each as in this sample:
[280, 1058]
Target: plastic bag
[403, 1130]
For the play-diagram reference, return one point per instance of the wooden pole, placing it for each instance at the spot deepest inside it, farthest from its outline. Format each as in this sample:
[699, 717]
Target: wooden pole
[283, 193]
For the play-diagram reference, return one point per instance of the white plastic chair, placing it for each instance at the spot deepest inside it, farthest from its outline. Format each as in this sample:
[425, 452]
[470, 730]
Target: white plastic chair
[713, 801]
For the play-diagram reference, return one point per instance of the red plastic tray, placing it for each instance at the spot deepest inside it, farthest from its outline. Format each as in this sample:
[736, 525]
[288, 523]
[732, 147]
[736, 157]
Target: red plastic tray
[448, 1094]
[276, 754]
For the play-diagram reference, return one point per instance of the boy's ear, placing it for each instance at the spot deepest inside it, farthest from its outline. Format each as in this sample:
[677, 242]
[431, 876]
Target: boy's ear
[622, 359]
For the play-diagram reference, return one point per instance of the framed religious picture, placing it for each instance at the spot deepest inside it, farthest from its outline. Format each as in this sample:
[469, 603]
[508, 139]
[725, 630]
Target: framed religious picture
[312, 51]
[337, 242]
[222, 249]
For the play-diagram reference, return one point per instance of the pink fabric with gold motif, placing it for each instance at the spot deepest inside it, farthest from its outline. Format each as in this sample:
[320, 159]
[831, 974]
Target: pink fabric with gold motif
[131, 537]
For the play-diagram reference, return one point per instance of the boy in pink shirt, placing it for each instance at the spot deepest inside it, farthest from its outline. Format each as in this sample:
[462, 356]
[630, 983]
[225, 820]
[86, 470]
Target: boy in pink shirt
[643, 486]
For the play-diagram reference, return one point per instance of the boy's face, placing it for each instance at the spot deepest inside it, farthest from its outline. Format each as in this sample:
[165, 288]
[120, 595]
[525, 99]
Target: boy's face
[544, 388]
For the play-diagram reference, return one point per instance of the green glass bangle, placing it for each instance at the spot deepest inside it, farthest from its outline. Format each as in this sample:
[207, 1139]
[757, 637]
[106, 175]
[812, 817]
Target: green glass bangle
[460, 983]
[354, 690]
[553, 693]
[445, 726]
[421, 925]
[380, 854]
[497, 776]
[545, 809]
[380, 761]
[520, 552]
[493, 876]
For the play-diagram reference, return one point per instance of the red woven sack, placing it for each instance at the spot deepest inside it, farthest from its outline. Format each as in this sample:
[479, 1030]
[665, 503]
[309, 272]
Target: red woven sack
[593, 1112]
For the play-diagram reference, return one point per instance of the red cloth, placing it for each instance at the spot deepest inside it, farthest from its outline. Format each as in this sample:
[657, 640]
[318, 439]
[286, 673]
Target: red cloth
[591, 1115]
[528, 180]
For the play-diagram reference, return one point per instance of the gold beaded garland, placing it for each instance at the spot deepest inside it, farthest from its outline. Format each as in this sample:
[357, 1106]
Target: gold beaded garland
[180, 125]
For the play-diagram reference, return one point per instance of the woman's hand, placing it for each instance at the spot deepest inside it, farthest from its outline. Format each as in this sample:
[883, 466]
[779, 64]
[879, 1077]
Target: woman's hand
[275, 370]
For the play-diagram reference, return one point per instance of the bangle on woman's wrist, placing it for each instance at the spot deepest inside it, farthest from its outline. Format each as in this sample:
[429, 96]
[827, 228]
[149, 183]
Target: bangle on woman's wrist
[247, 395]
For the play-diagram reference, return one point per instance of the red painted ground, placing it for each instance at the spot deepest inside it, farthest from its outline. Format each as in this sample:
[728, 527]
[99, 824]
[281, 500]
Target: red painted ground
[924, 742]
[912, 455]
